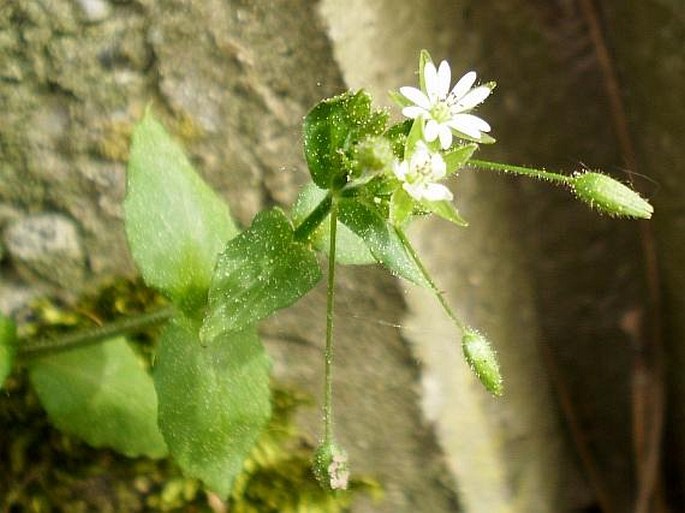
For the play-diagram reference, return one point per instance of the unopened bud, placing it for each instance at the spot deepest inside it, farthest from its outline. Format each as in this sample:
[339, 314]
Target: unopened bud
[331, 467]
[373, 155]
[610, 196]
[483, 361]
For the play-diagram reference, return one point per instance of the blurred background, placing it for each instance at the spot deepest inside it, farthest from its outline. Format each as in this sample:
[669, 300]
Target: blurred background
[585, 311]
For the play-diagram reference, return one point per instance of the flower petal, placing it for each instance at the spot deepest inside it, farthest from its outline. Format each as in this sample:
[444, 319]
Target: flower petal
[415, 191]
[474, 97]
[415, 95]
[430, 77]
[463, 85]
[431, 130]
[444, 78]
[400, 169]
[436, 192]
[438, 165]
[469, 124]
[445, 135]
[413, 111]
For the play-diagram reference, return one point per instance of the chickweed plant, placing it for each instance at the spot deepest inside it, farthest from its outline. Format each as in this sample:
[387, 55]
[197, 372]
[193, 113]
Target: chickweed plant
[207, 397]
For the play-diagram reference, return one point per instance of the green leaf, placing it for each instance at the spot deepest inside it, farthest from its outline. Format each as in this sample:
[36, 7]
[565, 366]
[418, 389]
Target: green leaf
[331, 129]
[397, 134]
[446, 210]
[350, 249]
[214, 400]
[261, 270]
[8, 347]
[176, 225]
[103, 394]
[458, 156]
[381, 239]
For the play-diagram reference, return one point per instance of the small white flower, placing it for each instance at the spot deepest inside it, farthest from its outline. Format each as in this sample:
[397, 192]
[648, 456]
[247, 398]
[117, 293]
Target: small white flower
[419, 174]
[446, 110]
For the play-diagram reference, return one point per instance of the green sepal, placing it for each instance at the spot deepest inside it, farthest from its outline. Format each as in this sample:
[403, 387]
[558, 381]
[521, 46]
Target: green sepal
[260, 271]
[424, 58]
[175, 223]
[331, 466]
[446, 210]
[350, 249]
[8, 347]
[401, 207]
[414, 136]
[103, 394]
[456, 157]
[214, 399]
[331, 130]
[400, 100]
[381, 239]
[484, 138]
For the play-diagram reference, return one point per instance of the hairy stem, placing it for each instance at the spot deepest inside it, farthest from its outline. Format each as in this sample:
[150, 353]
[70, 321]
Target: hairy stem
[314, 219]
[438, 293]
[328, 353]
[31, 348]
[520, 170]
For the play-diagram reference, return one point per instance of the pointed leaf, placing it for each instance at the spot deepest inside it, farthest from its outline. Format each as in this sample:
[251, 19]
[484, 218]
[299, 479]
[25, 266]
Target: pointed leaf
[381, 239]
[350, 249]
[103, 394]
[397, 134]
[260, 271]
[458, 156]
[446, 210]
[176, 225]
[214, 400]
[8, 347]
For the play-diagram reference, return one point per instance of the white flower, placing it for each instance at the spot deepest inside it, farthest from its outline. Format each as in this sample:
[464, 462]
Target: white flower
[446, 110]
[419, 174]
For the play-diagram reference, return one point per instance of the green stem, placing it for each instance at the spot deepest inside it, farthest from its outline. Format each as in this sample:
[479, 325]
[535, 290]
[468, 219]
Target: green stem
[520, 170]
[438, 293]
[86, 337]
[314, 219]
[328, 353]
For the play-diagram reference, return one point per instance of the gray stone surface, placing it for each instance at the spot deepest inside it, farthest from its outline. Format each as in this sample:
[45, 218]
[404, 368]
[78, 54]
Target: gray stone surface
[46, 247]
[231, 81]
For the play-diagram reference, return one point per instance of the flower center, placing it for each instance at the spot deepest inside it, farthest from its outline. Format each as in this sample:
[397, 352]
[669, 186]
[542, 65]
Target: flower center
[421, 172]
[441, 111]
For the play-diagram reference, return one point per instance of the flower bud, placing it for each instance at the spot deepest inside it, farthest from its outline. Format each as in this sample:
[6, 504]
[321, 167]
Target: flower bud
[331, 467]
[610, 196]
[483, 361]
[373, 155]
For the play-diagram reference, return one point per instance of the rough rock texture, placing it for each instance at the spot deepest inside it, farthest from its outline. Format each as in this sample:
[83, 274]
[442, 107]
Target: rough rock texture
[232, 81]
